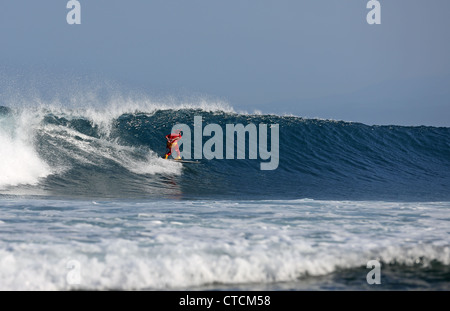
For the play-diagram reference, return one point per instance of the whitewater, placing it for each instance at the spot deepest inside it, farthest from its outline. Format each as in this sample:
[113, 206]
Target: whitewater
[87, 188]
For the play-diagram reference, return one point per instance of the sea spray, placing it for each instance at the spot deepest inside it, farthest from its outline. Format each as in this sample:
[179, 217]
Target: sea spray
[20, 163]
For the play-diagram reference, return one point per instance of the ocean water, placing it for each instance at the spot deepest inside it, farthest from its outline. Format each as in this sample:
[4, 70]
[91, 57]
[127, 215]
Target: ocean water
[86, 202]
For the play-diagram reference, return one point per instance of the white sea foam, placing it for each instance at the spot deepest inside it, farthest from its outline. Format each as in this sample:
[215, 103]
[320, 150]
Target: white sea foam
[178, 245]
[180, 263]
[90, 150]
[19, 161]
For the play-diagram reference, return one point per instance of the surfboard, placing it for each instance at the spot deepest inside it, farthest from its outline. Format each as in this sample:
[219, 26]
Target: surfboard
[184, 161]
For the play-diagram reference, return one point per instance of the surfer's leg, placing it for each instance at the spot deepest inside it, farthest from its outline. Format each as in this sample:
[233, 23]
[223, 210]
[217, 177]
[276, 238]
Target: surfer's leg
[168, 152]
[177, 150]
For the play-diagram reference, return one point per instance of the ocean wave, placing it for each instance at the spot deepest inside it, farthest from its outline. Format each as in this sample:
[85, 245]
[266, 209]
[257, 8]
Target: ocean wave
[125, 265]
[116, 151]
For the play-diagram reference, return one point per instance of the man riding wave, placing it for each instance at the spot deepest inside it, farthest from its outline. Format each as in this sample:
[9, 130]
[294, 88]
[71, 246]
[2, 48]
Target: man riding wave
[172, 143]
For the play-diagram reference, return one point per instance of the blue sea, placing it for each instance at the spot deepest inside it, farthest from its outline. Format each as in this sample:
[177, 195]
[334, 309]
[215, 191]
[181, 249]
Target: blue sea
[88, 203]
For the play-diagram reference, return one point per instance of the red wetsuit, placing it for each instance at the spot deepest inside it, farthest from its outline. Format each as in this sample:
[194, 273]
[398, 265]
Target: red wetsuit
[172, 143]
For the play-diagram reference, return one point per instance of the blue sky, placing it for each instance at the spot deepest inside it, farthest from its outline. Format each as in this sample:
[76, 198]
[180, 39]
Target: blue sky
[308, 58]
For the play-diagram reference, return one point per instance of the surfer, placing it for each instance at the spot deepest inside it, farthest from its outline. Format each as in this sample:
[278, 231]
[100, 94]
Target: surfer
[172, 143]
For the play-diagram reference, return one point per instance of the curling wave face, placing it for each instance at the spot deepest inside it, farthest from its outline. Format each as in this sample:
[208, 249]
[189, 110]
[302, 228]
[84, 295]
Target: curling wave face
[117, 153]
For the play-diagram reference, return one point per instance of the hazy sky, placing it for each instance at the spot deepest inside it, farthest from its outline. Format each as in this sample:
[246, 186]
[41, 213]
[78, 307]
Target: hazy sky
[309, 58]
